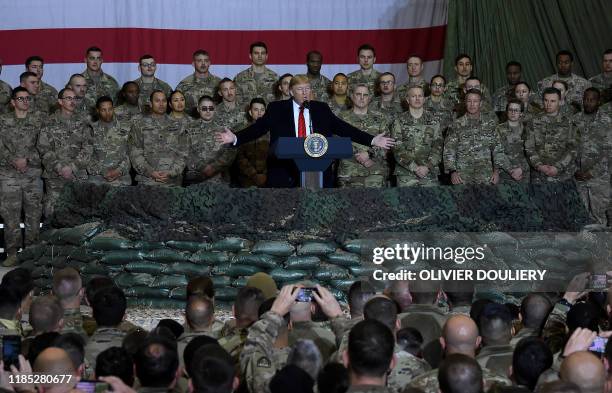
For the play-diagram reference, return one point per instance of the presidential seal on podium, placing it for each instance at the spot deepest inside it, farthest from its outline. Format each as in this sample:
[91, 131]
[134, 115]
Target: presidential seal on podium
[315, 145]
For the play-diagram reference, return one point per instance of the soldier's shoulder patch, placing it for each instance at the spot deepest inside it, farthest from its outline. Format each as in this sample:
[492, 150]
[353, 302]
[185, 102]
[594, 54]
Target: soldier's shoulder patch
[264, 362]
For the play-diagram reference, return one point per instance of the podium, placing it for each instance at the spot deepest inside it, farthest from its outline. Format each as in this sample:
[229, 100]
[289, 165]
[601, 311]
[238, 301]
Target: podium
[312, 168]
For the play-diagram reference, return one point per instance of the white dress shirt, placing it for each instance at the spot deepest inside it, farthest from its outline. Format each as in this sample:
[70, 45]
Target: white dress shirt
[296, 115]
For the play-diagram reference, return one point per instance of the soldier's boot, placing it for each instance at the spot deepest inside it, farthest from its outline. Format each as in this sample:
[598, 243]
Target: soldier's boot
[11, 260]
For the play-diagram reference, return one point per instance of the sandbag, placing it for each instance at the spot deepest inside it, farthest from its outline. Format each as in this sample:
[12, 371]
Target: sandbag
[188, 269]
[43, 261]
[155, 303]
[226, 294]
[28, 265]
[109, 244]
[145, 267]
[263, 261]
[316, 248]
[359, 246]
[188, 246]
[242, 270]
[169, 281]
[330, 272]
[147, 246]
[220, 270]
[146, 292]
[240, 282]
[363, 270]
[342, 285]
[210, 258]
[85, 255]
[58, 263]
[59, 251]
[77, 265]
[31, 253]
[165, 255]
[283, 275]
[42, 283]
[41, 272]
[94, 269]
[122, 257]
[220, 281]
[179, 293]
[76, 235]
[339, 295]
[231, 244]
[125, 280]
[273, 247]
[344, 259]
[302, 262]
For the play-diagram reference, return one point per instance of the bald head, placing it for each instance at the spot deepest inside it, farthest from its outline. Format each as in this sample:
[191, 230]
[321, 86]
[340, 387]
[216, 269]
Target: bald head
[199, 312]
[460, 335]
[67, 285]
[585, 370]
[53, 361]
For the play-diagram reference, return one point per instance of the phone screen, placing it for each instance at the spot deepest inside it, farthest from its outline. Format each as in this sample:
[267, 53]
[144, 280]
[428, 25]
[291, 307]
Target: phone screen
[598, 281]
[305, 295]
[11, 348]
[92, 386]
[599, 345]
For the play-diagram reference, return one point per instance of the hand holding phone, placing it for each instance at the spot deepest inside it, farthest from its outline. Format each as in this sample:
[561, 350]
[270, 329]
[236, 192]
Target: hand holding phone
[11, 349]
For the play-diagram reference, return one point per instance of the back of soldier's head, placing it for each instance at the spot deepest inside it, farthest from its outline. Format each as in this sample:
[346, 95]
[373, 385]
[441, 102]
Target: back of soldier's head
[585, 370]
[460, 334]
[115, 361]
[172, 326]
[358, 294]
[10, 302]
[95, 284]
[156, 363]
[202, 286]
[20, 280]
[109, 306]
[459, 293]
[53, 361]
[584, 315]
[247, 303]
[134, 340]
[530, 359]
[476, 309]
[460, 374]
[66, 284]
[370, 349]
[534, 310]
[199, 312]
[333, 378]
[45, 314]
[192, 347]
[213, 370]
[410, 340]
[558, 387]
[399, 292]
[383, 310]
[39, 344]
[496, 324]
[74, 345]
[424, 291]
[306, 355]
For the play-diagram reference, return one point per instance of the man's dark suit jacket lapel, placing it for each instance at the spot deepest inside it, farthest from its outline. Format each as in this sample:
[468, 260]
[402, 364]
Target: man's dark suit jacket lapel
[289, 112]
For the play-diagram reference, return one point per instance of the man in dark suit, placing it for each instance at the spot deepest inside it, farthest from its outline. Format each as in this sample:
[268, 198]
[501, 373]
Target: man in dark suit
[292, 118]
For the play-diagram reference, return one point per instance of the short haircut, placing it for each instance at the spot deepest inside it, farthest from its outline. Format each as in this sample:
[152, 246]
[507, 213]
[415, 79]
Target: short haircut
[156, 363]
[534, 307]
[45, 313]
[513, 63]
[224, 80]
[306, 355]
[18, 89]
[67, 281]
[564, 52]
[584, 315]
[40, 343]
[462, 56]
[437, 76]
[25, 75]
[607, 52]
[257, 100]
[358, 295]
[417, 55]
[74, 345]
[410, 340]
[31, 59]
[109, 306]
[92, 49]
[214, 370]
[530, 359]
[523, 83]
[370, 348]
[313, 52]
[258, 44]
[473, 78]
[592, 90]
[199, 52]
[127, 84]
[201, 285]
[248, 301]
[495, 324]
[61, 93]
[202, 99]
[383, 310]
[155, 92]
[10, 302]
[474, 92]
[564, 83]
[517, 102]
[145, 57]
[175, 328]
[551, 90]
[299, 79]
[460, 373]
[95, 284]
[192, 347]
[333, 378]
[366, 47]
[385, 74]
[115, 361]
[199, 311]
[339, 74]
[102, 100]
[19, 278]
[476, 309]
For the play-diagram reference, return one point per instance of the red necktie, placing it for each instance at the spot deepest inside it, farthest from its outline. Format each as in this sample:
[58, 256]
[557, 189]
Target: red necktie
[301, 124]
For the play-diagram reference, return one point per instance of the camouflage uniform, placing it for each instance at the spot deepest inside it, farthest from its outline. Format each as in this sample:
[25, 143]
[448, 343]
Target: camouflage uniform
[403, 89]
[322, 336]
[73, 322]
[193, 88]
[551, 140]
[50, 95]
[497, 358]
[555, 327]
[205, 150]
[532, 110]
[320, 86]
[5, 97]
[260, 360]
[252, 160]
[104, 85]
[230, 118]
[144, 98]
[500, 97]
[390, 109]
[41, 104]
[85, 108]
[110, 151]
[9, 328]
[513, 142]
[336, 108]
[185, 338]
[353, 174]
[234, 343]
[63, 142]
[419, 143]
[358, 77]
[454, 93]
[576, 87]
[18, 139]
[127, 112]
[250, 84]
[523, 333]
[368, 389]
[102, 339]
[594, 157]
[601, 82]
[471, 146]
[428, 382]
[158, 144]
[442, 111]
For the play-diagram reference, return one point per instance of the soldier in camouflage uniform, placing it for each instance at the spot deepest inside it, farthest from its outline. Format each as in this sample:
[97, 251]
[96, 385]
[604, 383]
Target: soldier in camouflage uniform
[339, 100]
[388, 101]
[207, 159]
[440, 106]
[418, 151]
[366, 74]
[147, 82]
[201, 82]
[229, 113]
[46, 92]
[504, 93]
[319, 83]
[472, 151]
[565, 108]
[257, 80]
[199, 321]
[65, 146]
[281, 87]
[10, 313]
[109, 162]
[176, 104]
[128, 102]
[522, 91]
[576, 84]
[30, 82]
[158, 146]
[68, 288]
[78, 85]
[603, 81]
[98, 83]
[512, 136]
[551, 142]
[486, 108]
[368, 167]
[20, 174]
[463, 70]
[252, 157]
[5, 94]
[414, 66]
[593, 159]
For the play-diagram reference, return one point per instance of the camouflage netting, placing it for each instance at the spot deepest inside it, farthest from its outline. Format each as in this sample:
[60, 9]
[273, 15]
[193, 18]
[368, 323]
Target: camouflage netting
[152, 240]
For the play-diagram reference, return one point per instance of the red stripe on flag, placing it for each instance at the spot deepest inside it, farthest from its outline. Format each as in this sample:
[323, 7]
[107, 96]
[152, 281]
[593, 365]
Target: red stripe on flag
[225, 46]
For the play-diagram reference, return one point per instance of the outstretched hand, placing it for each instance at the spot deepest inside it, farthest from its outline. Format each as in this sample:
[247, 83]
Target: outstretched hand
[383, 141]
[226, 136]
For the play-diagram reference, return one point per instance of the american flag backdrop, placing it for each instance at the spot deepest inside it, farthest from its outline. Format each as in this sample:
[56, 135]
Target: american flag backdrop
[170, 30]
